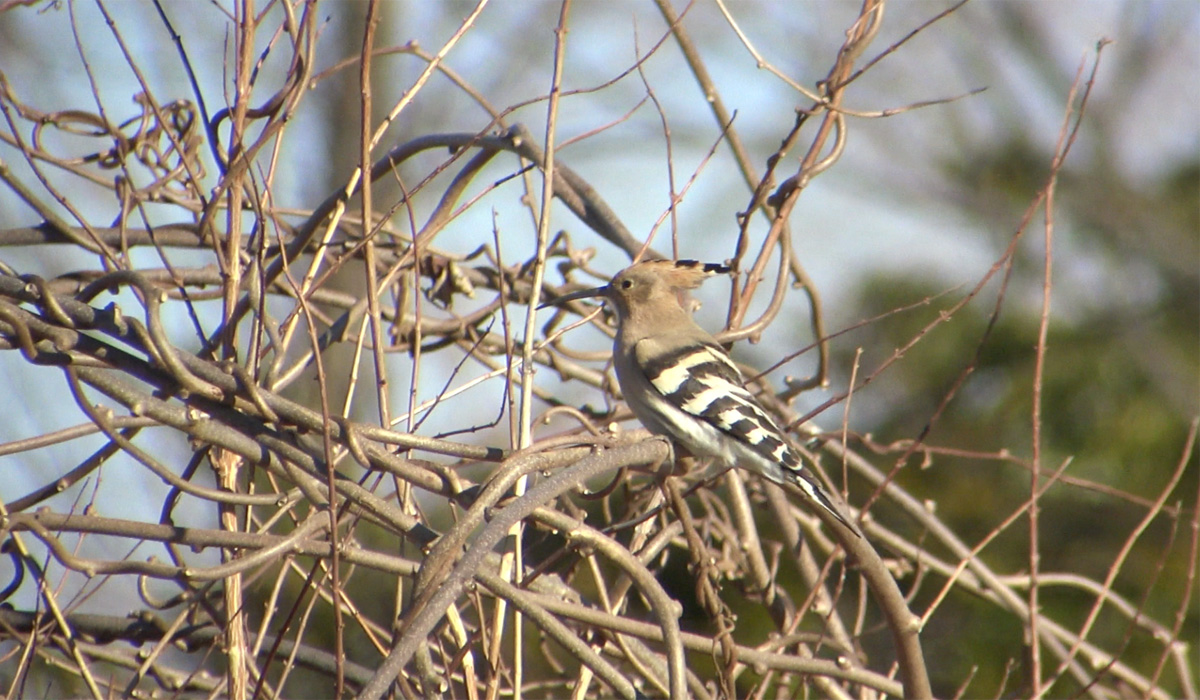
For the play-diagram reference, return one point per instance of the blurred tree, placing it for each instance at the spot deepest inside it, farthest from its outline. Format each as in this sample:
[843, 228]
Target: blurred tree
[179, 207]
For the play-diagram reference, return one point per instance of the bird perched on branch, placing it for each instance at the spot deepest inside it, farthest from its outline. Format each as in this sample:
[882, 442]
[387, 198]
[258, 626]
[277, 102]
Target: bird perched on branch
[681, 383]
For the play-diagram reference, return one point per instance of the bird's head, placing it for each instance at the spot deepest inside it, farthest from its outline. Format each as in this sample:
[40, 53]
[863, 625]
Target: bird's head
[653, 286]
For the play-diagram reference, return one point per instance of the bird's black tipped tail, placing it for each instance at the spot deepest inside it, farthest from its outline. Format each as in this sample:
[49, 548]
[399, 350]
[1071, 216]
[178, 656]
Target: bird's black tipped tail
[816, 493]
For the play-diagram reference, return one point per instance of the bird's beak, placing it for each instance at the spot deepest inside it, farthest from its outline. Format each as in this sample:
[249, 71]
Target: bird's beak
[581, 294]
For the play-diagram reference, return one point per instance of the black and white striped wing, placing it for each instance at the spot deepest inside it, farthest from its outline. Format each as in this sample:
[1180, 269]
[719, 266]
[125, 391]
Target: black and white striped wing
[701, 380]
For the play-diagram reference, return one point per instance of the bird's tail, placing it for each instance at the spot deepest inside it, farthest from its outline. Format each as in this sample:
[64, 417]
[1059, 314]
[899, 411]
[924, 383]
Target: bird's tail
[816, 493]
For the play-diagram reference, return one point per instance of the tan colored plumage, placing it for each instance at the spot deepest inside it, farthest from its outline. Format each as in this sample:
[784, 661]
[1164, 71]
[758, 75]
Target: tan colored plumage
[680, 382]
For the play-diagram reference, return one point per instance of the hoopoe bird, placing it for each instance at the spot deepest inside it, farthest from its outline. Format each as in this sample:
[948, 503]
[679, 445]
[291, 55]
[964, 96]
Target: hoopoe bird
[681, 383]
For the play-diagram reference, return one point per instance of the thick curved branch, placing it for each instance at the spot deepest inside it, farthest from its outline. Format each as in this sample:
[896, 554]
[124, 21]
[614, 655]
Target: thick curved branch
[420, 620]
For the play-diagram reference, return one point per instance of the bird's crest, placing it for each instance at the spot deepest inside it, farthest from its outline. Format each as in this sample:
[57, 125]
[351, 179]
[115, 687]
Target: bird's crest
[685, 274]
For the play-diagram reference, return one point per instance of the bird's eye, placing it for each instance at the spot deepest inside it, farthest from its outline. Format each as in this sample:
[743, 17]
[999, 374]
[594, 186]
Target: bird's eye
[626, 284]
